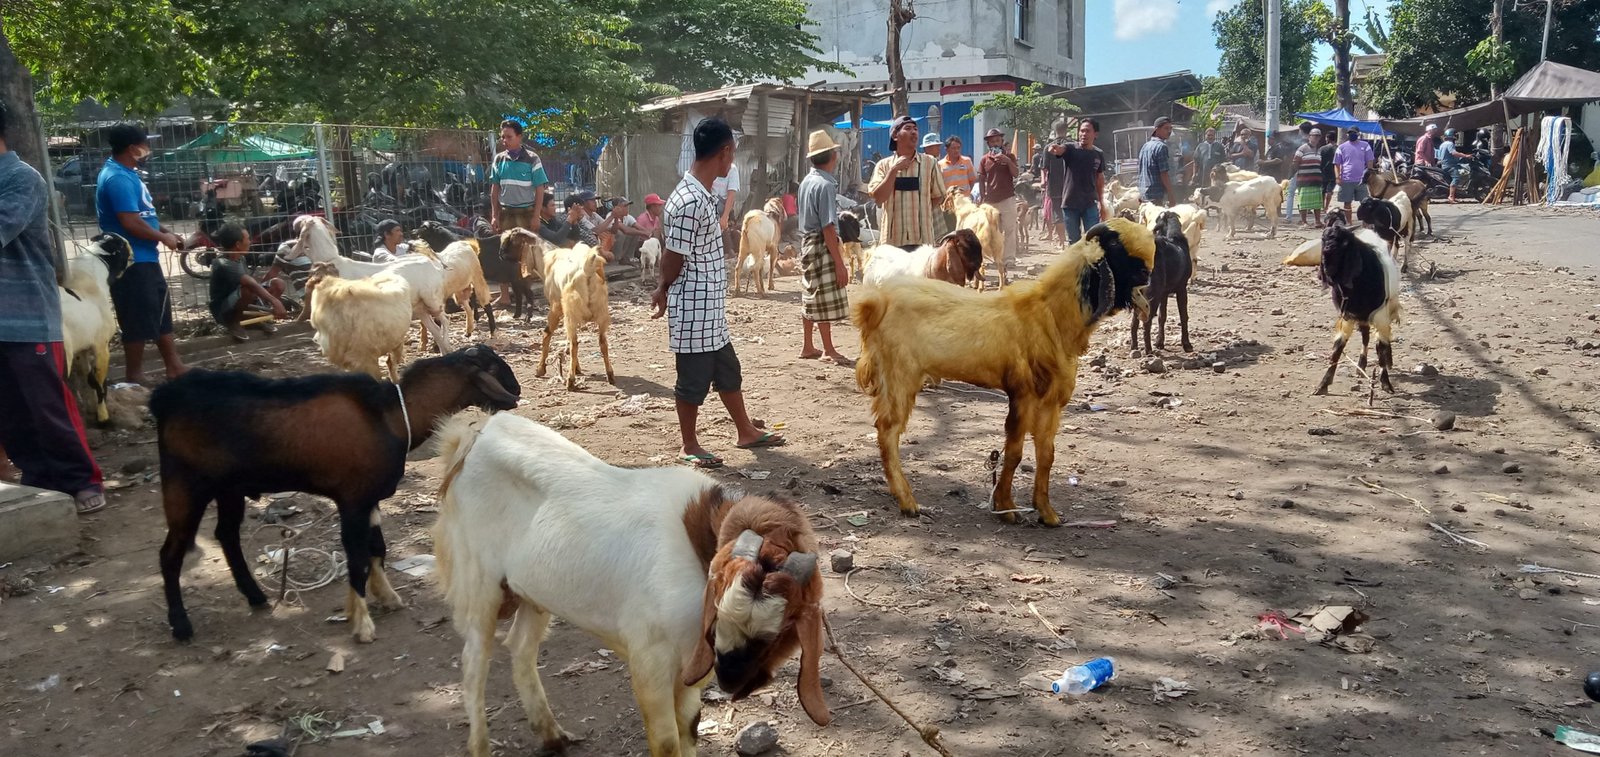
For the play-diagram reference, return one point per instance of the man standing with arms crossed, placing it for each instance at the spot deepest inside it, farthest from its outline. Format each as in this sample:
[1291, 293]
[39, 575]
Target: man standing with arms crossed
[997, 187]
[692, 294]
[39, 424]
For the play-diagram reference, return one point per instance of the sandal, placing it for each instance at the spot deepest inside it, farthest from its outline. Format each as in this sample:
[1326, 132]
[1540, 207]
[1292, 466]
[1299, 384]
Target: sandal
[704, 461]
[768, 439]
[90, 501]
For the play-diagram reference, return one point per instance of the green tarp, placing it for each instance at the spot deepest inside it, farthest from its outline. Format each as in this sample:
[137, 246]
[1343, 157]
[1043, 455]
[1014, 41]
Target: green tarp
[221, 146]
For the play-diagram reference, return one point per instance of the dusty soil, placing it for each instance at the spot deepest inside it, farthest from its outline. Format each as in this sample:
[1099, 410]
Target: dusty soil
[1245, 492]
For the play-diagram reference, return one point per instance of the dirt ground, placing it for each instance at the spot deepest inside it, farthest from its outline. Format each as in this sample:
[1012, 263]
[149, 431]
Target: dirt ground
[1234, 493]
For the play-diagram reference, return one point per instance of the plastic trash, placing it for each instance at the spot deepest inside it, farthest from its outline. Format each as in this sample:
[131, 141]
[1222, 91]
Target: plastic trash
[1583, 742]
[1082, 679]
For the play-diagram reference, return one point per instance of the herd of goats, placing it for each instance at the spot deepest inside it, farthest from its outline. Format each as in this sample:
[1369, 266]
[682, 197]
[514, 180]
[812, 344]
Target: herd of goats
[683, 577]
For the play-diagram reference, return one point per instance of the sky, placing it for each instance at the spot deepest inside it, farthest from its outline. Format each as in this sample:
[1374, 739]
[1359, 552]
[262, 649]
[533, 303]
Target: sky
[1130, 39]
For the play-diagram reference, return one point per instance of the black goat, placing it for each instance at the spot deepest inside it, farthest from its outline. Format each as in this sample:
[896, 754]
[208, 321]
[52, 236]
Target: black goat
[228, 435]
[500, 256]
[849, 228]
[1391, 222]
[1169, 276]
[1366, 292]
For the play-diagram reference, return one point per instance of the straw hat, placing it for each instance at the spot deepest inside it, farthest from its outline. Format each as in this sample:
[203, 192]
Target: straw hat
[819, 143]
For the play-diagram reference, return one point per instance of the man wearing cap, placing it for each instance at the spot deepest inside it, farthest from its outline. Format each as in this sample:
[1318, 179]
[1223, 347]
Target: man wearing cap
[583, 218]
[1155, 165]
[907, 186]
[997, 187]
[624, 233]
[1427, 144]
[516, 181]
[1351, 160]
[553, 226]
[650, 219]
[822, 297]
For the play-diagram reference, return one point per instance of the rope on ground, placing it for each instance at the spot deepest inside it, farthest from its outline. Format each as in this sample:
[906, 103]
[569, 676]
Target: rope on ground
[929, 733]
[1537, 568]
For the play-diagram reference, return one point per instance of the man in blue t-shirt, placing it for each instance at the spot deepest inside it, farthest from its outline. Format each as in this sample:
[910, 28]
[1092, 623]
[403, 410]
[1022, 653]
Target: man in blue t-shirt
[1450, 160]
[125, 208]
[1155, 171]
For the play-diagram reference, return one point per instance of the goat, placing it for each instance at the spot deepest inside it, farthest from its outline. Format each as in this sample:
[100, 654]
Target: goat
[359, 320]
[650, 261]
[509, 258]
[463, 279]
[1169, 276]
[1025, 341]
[1233, 198]
[758, 247]
[957, 259]
[678, 574]
[87, 320]
[225, 436]
[575, 287]
[984, 223]
[850, 241]
[1366, 292]
[1392, 220]
[316, 242]
[1415, 190]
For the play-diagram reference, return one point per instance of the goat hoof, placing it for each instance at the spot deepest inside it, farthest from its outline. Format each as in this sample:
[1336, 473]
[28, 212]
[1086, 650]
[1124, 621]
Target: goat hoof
[1009, 517]
[557, 745]
[1050, 520]
[539, 373]
[910, 512]
[260, 604]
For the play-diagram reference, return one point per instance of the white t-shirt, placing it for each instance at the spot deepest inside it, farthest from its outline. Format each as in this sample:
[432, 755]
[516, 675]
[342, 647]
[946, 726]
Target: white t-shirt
[382, 255]
[730, 183]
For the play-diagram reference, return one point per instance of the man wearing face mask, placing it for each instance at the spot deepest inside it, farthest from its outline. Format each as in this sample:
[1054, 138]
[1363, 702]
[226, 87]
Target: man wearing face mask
[125, 208]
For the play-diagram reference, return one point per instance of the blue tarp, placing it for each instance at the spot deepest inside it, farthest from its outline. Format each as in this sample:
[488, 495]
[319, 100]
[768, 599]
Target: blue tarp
[1344, 119]
[867, 123]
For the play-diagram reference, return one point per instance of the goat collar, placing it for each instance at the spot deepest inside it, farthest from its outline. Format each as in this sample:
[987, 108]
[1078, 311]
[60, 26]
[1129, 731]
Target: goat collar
[405, 415]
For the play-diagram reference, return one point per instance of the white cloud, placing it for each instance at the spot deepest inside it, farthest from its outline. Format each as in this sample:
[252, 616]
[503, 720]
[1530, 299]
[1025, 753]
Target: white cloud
[1138, 18]
[1213, 7]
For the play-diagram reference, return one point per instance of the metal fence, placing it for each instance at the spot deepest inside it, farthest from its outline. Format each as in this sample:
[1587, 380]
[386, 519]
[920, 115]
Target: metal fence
[202, 174]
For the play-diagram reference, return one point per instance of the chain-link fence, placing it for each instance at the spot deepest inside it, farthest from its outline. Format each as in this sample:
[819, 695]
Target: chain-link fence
[202, 174]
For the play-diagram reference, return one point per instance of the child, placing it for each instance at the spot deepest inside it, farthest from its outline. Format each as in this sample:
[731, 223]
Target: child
[233, 291]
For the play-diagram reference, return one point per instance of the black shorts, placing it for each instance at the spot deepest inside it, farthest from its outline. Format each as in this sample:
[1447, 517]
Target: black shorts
[140, 298]
[698, 372]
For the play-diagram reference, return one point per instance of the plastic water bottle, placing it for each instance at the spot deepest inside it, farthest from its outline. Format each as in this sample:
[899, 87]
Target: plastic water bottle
[1082, 679]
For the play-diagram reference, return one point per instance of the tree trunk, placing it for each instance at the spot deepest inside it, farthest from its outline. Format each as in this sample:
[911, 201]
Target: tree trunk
[22, 125]
[1497, 27]
[900, 14]
[1341, 55]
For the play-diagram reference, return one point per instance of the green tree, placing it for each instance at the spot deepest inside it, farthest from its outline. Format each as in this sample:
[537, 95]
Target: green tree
[1029, 110]
[1322, 92]
[1430, 46]
[1207, 110]
[703, 44]
[1242, 72]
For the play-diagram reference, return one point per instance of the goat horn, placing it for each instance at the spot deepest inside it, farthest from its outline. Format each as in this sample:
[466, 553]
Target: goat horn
[748, 545]
[800, 565]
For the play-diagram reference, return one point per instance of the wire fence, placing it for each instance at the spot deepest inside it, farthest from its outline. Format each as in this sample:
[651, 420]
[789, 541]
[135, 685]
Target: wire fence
[202, 174]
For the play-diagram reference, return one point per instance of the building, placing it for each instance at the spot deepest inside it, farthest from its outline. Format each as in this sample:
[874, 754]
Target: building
[957, 53]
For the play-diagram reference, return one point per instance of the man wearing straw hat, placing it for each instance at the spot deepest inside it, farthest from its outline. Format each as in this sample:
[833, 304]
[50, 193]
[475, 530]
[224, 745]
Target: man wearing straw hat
[822, 297]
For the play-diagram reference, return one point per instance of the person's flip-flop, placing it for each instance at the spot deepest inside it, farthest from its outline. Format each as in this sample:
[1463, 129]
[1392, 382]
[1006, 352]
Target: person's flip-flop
[90, 501]
[705, 461]
[769, 439]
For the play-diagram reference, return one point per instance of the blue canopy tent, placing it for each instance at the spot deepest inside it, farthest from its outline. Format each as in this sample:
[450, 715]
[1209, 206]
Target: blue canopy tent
[1344, 119]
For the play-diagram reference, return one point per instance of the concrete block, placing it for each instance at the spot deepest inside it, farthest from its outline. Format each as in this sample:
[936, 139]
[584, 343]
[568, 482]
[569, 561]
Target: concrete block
[36, 523]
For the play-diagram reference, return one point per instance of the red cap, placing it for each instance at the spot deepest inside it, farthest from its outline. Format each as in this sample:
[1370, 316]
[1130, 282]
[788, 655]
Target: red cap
[653, 199]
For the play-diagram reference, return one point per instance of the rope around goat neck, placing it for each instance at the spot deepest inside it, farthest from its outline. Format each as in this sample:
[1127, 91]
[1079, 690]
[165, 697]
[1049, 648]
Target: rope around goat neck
[404, 415]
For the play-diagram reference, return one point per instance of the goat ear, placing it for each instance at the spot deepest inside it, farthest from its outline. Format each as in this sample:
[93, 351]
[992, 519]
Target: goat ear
[698, 666]
[809, 628]
[493, 390]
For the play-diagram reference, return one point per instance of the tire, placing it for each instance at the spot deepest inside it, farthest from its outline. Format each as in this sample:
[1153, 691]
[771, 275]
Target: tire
[196, 263]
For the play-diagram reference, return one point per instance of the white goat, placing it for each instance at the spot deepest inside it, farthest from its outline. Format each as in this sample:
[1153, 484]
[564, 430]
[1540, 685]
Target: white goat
[426, 278]
[650, 261]
[575, 288]
[463, 278]
[529, 519]
[360, 320]
[1235, 198]
[758, 248]
[87, 322]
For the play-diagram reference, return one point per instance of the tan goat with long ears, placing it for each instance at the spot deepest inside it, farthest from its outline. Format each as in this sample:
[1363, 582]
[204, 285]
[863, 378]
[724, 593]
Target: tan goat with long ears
[680, 575]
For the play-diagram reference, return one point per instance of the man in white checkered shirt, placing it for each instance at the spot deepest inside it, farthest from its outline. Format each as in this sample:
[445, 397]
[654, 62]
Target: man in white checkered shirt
[693, 295]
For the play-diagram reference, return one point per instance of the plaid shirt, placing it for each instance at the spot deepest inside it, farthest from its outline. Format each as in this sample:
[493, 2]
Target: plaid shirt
[907, 218]
[1153, 163]
[697, 318]
[30, 306]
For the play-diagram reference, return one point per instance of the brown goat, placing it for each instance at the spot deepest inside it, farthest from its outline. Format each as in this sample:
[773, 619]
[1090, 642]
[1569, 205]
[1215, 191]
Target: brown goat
[1026, 341]
[1383, 187]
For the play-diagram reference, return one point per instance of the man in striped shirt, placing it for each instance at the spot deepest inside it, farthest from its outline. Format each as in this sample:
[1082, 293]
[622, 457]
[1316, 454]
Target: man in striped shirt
[516, 182]
[906, 186]
[692, 294]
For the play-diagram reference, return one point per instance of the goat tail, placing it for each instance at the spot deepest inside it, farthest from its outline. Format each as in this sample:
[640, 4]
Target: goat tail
[867, 313]
[455, 436]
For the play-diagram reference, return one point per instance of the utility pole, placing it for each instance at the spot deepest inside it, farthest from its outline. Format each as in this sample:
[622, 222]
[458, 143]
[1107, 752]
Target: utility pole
[1274, 18]
[1497, 28]
[1544, 47]
[901, 13]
